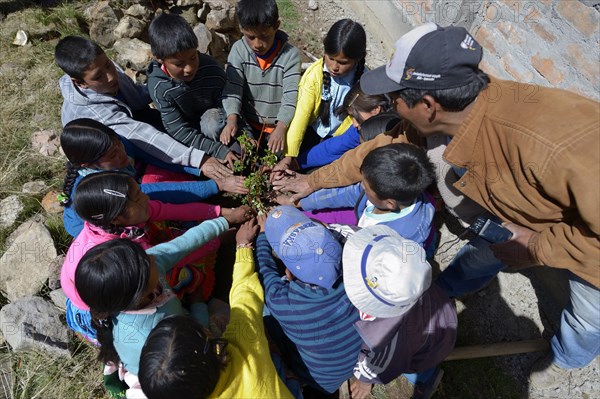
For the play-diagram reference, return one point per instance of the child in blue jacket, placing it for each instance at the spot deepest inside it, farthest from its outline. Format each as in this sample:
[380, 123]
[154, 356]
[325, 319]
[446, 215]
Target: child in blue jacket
[392, 193]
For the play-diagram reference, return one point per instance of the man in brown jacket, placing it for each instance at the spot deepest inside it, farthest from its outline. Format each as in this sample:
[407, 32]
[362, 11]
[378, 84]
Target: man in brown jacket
[527, 154]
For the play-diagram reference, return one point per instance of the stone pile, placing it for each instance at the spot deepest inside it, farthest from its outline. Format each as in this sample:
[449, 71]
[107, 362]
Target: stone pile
[126, 29]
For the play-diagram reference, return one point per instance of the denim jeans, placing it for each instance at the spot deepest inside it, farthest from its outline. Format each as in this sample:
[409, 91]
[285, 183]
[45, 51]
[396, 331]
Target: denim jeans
[471, 269]
[577, 341]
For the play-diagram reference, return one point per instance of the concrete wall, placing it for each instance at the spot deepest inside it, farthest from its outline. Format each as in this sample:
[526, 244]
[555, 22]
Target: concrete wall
[548, 42]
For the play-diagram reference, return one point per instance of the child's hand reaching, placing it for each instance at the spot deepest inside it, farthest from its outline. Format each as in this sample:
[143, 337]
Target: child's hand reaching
[262, 219]
[230, 158]
[232, 184]
[277, 138]
[237, 215]
[229, 130]
[247, 232]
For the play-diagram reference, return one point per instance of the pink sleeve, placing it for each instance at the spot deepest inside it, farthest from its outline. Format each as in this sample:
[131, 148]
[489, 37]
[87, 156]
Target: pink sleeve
[184, 212]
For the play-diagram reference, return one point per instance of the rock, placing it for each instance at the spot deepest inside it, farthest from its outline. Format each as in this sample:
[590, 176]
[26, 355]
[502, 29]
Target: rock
[7, 377]
[21, 38]
[185, 3]
[34, 323]
[45, 141]
[313, 5]
[54, 268]
[10, 208]
[204, 37]
[130, 27]
[34, 187]
[222, 15]
[59, 299]
[25, 266]
[23, 227]
[139, 11]
[219, 46]
[104, 19]
[189, 13]
[203, 12]
[50, 203]
[133, 53]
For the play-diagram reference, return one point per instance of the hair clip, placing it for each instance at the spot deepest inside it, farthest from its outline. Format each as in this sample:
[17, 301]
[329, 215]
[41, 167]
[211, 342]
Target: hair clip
[353, 99]
[103, 323]
[115, 193]
[98, 216]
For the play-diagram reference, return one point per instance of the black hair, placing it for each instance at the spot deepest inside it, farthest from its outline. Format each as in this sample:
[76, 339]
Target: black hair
[170, 34]
[74, 54]
[398, 171]
[179, 360]
[378, 124]
[83, 141]
[101, 197]
[358, 101]
[451, 100]
[110, 278]
[348, 37]
[257, 13]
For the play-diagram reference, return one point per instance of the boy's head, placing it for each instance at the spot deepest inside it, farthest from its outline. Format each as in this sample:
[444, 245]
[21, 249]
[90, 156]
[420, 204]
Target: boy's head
[395, 175]
[87, 64]
[384, 273]
[180, 360]
[174, 44]
[307, 248]
[259, 22]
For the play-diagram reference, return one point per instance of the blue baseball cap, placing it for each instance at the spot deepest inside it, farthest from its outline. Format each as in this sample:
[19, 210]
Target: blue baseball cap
[306, 247]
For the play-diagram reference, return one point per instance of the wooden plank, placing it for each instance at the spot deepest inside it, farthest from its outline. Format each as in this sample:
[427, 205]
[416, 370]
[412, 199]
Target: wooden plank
[498, 349]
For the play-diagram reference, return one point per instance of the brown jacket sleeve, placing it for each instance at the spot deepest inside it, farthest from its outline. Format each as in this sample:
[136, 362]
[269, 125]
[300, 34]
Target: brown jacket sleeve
[346, 170]
[570, 179]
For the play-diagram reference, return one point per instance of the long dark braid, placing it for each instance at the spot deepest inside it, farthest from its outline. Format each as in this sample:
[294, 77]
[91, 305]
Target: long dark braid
[72, 171]
[325, 99]
[103, 323]
[360, 69]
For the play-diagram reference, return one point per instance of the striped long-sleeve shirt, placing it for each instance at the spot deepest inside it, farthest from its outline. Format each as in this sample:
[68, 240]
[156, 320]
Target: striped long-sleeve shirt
[318, 321]
[262, 96]
[181, 104]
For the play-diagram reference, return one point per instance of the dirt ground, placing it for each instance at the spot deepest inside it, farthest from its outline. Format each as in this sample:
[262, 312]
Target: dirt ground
[514, 307]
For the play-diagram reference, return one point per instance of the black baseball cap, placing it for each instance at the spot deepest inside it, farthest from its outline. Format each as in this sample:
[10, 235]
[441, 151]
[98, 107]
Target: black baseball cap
[427, 57]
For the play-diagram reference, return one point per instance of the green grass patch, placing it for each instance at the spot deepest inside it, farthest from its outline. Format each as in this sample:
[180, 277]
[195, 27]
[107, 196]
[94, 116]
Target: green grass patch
[289, 15]
[39, 375]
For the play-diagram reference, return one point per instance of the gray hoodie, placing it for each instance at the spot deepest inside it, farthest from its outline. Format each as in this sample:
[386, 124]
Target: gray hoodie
[117, 113]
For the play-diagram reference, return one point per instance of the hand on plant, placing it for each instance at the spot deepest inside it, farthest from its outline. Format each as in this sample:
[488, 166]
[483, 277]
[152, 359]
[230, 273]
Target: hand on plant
[238, 215]
[213, 169]
[232, 184]
[277, 138]
[230, 158]
[229, 130]
[247, 232]
[279, 171]
[360, 390]
[296, 183]
[262, 219]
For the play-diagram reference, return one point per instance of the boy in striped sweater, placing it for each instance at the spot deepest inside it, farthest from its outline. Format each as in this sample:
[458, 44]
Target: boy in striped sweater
[263, 72]
[186, 87]
[308, 315]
